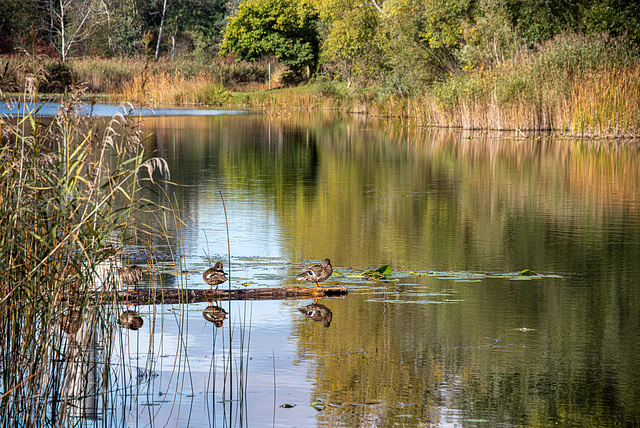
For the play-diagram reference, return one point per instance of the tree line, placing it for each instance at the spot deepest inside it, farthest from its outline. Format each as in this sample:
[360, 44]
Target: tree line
[400, 44]
[110, 28]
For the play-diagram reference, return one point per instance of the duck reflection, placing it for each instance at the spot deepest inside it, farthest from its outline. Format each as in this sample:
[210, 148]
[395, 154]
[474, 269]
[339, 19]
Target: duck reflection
[317, 312]
[131, 320]
[215, 314]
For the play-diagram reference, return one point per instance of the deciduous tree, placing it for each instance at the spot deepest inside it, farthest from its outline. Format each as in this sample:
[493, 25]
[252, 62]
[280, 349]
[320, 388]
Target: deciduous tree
[73, 21]
[354, 39]
[285, 29]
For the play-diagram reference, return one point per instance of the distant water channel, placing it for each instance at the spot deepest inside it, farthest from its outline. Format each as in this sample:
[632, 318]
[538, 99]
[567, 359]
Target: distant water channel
[454, 336]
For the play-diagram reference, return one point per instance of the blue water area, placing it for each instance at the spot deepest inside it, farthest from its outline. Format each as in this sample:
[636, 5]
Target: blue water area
[50, 109]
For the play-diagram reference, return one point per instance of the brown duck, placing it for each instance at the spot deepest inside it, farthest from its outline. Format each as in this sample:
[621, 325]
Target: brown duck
[131, 276]
[72, 278]
[215, 275]
[317, 273]
[71, 321]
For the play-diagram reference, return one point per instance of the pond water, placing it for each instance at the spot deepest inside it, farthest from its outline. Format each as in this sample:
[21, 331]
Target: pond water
[454, 336]
[11, 108]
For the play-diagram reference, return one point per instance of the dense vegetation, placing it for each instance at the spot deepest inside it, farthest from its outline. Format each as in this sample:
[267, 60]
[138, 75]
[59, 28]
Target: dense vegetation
[70, 202]
[381, 57]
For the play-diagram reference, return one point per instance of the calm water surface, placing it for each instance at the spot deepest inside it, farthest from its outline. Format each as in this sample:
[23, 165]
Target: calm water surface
[453, 337]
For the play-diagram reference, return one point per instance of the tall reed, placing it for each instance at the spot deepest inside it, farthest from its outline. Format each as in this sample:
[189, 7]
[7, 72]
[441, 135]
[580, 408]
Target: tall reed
[169, 83]
[606, 103]
[573, 83]
[68, 193]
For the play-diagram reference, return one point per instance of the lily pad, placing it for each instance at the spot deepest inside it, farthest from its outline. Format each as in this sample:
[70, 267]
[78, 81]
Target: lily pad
[319, 405]
[379, 273]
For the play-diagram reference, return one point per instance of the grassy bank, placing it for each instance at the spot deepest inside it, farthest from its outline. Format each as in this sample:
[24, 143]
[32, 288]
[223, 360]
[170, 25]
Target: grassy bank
[573, 84]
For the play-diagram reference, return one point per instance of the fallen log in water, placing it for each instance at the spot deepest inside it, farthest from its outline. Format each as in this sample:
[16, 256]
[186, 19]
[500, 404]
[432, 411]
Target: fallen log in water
[174, 296]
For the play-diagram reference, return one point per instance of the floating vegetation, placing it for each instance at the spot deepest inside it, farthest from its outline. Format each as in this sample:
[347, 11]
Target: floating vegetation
[261, 272]
[377, 274]
[466, 276]
[319, 405]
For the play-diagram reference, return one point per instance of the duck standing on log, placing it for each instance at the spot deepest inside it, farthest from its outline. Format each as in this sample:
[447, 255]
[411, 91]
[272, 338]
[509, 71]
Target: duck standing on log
[215, 275]
[131, 276]
[317, 273]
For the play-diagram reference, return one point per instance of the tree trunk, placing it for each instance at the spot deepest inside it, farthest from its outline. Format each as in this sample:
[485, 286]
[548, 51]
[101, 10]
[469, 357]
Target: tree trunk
[173, 47]
[63, 32]
[164, 11]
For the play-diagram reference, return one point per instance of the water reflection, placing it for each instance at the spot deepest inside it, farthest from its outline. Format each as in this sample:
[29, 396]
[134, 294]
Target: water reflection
[131, 320]
[318, 313]
[215, 314]
[419, 348]
[410, 200]
[81, 384]
[49, 109]
[446, 338]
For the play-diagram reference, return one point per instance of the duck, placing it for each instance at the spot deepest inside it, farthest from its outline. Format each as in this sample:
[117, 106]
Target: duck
[317, 312]
[215, 275]
[131, 276]
[71, 321]
[131, 320]
[72, 279]
[317, 273]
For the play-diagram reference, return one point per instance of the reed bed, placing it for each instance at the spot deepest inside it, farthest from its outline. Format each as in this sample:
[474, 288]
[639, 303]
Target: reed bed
[604, 102]
[138, 79]
[573, 84]
[68, 192]
[524, 96]
[72, 212]
[165, 89]
[170, 83]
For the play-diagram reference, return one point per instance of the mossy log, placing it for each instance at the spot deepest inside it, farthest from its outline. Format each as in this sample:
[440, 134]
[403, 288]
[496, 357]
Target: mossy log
[174, 296]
